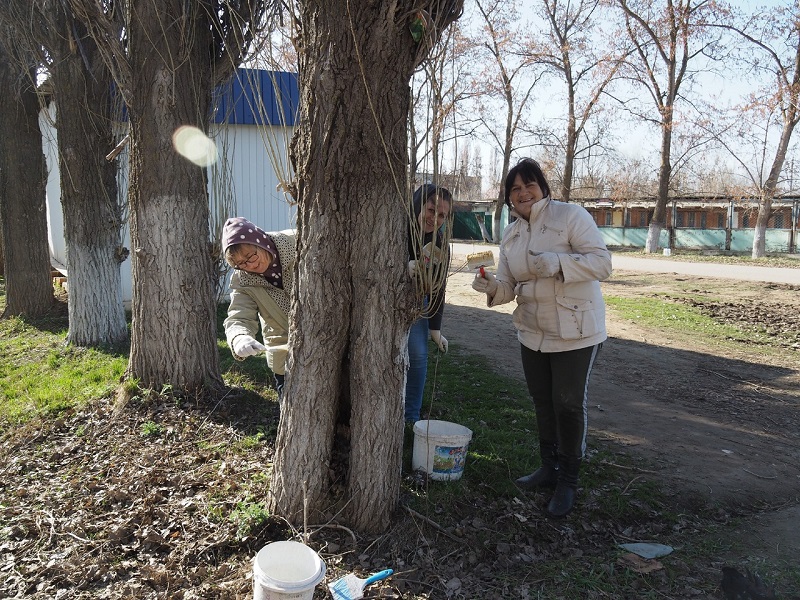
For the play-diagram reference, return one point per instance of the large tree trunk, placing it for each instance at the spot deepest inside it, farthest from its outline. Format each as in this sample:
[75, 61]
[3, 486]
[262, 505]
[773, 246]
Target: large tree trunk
[497, 231]
[771, 184]
[572, 143]
[659, 220]
[173, 341]
[23, 177]
[497, 217]
[353, 300]
[92, 215]
[760, 231]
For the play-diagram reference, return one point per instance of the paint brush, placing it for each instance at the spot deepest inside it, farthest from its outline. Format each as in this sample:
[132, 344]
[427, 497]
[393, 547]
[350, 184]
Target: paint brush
[479, 260]
[351, 587]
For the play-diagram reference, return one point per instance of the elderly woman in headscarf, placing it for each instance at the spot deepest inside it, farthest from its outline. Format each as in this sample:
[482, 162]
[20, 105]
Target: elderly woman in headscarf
[264, 265]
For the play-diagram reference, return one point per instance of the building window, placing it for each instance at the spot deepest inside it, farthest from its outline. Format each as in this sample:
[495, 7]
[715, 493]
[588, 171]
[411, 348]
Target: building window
[691, 219]
[746, 219]
[703, 220]
[609, 218]
[679, 220]
[720, 221]
[778, 221]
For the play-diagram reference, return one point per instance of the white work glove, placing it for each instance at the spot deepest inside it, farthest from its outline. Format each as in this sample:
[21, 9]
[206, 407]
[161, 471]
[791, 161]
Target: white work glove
[412, 268]
[244, 346]
[546, 264]
[486, 283]
[440, 340]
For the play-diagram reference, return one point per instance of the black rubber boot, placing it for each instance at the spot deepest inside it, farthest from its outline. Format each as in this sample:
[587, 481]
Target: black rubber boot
[547, 474]
[563, 500]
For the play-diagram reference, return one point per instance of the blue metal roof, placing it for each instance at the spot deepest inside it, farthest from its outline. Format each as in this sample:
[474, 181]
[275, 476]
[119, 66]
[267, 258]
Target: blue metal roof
[258, 97]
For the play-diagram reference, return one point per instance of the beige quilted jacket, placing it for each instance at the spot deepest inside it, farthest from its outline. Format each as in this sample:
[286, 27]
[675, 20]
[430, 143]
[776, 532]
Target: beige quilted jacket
[560, 313]
[257, 303]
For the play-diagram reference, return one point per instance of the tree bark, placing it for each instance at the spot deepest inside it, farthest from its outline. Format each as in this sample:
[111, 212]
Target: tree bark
[759, 249]
[2, 253]
[508, 147]
[92, 214]
[173, 341]
[23, 179]
[353, 301]
[659, 220]
[790, 119]
[572, 130]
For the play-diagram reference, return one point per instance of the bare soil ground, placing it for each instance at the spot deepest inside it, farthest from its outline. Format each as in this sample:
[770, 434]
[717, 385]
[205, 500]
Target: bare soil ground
[713, 425]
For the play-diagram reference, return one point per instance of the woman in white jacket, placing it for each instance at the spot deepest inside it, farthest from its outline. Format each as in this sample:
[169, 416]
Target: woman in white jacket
[552, 259]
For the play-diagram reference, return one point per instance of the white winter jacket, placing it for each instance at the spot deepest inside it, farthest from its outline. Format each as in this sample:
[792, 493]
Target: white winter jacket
[560, 313]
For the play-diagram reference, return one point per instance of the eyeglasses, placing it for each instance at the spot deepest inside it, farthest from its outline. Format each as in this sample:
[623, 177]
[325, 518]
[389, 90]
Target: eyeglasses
[250, 261]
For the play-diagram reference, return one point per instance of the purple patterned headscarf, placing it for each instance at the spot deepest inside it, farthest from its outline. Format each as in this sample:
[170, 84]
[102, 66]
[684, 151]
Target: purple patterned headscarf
[239, 230]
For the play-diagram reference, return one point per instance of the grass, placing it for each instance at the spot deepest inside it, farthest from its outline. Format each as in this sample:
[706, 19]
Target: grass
[40, 376]
[663, 314]
[151, 429]
[671, 316]
[464, 389]
[248, 516]
[496, 409]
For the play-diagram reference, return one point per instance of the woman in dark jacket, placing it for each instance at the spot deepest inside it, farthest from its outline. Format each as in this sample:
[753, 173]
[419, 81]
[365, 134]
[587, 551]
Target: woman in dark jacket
[429, 258]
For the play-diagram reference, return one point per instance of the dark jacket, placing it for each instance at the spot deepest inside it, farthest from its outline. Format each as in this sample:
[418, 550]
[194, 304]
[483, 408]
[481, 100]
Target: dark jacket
[435, 310]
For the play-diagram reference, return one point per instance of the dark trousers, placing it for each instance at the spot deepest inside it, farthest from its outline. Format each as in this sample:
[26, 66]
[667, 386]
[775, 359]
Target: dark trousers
[558, 383]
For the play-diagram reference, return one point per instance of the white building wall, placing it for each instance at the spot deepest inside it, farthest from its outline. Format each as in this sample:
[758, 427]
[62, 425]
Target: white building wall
[256, 162]
[55, 217]
[253, 162]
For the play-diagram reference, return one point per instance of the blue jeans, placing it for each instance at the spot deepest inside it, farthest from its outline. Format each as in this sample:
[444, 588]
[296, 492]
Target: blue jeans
[417, 368]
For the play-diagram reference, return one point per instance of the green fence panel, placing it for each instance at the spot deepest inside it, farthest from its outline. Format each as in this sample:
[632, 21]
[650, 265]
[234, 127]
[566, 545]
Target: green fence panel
[631, 237]
[776, 240]
[742, 240]
[465, 227]
[700, 239]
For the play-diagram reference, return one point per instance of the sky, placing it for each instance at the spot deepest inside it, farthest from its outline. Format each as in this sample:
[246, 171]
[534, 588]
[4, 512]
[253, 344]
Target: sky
[635, 139]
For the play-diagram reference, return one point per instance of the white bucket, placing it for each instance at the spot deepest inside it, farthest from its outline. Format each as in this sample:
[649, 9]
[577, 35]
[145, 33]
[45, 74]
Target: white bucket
[440, 449]
[667, 252]
[286, 571]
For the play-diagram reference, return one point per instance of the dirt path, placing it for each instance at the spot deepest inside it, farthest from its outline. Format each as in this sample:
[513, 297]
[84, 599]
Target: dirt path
[711, 426]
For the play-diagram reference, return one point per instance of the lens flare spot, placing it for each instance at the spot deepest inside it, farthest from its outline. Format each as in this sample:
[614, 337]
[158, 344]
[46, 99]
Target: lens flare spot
[194, 145]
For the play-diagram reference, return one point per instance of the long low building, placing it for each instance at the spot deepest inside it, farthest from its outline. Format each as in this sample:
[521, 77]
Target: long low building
[699, 223]
[693, 223]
